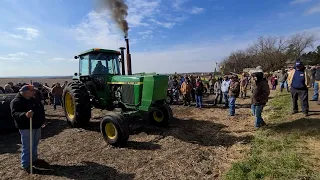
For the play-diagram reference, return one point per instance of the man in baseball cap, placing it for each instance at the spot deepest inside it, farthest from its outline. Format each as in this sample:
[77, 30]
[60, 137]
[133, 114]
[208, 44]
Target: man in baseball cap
[25, 107]
[299, 82]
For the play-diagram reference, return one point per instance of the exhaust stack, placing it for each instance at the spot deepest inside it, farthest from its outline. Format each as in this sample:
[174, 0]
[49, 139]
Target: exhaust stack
[123, 70]
[129, 68]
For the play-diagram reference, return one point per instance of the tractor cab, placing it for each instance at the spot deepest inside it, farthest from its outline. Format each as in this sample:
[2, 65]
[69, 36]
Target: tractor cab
[96, 68]
[98, 62]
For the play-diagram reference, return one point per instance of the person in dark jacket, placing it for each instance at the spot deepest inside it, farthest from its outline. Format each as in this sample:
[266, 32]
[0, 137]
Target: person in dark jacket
[315, 82]
[199, 93]
[174, 86]
[274, 82]
[57, 92]
[234, 91]
[24, 107]
[299, 82]
[283, 80]
[259, 98]
[194, 84]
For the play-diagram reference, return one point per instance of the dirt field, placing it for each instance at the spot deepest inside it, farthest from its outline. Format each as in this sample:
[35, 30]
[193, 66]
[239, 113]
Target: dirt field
[4, 81]
[199, 144]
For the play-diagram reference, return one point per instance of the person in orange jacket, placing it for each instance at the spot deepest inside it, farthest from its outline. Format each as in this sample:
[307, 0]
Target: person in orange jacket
[186, 88]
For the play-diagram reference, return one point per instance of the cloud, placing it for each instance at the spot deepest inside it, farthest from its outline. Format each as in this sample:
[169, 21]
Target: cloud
[9, 58]
[196, 10]
[299, 1]
[177, 4]
[14, 56]
[40, 52]
[164, 24]
[314, 9]
[141, 10]
[19, 54]
[96, 30]
[24, 33]
[62, 59]
[148, 34]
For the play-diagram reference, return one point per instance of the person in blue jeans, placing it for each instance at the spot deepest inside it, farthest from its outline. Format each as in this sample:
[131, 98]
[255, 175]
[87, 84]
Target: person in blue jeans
[199, 93]
[283, 80]
[57, 92]
[259, 98]
[24, 107]
[225, 90]
[234, 91]
[315, 91]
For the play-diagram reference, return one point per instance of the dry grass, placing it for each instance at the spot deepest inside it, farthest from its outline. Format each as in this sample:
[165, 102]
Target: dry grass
[199, 144]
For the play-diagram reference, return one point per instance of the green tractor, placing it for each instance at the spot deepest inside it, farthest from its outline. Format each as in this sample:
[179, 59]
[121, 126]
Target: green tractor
[100, 84]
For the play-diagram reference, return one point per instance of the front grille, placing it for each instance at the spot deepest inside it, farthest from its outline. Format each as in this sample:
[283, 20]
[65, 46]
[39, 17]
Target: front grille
[128, 93]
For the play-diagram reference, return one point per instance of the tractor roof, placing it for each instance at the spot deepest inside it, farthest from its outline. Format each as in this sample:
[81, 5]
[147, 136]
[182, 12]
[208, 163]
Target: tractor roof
[98, 50]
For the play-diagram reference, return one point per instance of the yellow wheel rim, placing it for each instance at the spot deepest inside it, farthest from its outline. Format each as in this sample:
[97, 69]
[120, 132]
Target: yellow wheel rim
[69, 106]
[111, 131]
[158, 116]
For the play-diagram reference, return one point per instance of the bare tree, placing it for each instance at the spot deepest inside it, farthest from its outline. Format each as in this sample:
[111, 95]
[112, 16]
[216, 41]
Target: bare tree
[270, 52]
[300, 42]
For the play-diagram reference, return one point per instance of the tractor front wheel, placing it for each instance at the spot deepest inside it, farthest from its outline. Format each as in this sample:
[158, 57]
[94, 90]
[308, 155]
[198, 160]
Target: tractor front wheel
[76, 104]
[115, 129]
[161, 115]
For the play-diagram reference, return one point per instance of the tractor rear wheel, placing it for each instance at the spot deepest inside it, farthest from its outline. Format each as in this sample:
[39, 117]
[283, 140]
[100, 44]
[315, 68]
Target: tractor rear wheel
[115, 129]
[76, 104]
[161, 115]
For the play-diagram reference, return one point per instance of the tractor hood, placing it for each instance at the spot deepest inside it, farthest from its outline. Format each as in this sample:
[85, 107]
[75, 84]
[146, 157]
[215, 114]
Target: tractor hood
[127, 79]
[148, 89]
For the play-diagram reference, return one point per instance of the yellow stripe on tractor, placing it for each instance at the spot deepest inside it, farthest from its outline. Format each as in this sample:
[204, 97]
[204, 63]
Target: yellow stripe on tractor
[133, 83]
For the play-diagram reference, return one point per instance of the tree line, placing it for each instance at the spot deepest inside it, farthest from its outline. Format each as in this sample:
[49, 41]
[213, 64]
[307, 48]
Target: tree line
[273, 53]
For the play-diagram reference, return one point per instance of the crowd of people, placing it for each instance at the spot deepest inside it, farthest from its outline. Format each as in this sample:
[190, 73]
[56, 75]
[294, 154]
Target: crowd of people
[45, 94]
[226, 91]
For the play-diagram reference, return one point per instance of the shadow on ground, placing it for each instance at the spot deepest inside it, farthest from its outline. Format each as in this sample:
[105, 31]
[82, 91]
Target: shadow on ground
[201, 132]
[303, 126]
[89, 171]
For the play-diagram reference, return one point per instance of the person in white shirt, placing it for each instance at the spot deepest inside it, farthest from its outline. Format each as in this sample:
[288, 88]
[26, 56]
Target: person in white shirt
[225, 89]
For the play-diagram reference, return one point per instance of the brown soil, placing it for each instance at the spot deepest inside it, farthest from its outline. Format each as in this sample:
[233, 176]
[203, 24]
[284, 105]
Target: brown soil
[199, 144]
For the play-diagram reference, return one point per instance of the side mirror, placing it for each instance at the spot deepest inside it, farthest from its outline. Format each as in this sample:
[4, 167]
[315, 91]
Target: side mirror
[76, 57]
[75, 74]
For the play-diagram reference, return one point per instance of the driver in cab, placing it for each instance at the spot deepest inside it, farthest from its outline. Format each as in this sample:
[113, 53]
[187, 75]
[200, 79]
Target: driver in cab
[100, 69]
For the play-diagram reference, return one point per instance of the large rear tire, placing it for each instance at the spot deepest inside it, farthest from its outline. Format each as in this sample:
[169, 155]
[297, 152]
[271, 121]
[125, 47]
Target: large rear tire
[115, 129]
[76, 104]
[161, 115]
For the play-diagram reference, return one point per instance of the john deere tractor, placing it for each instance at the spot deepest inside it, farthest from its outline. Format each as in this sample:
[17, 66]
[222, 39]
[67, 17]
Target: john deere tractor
[100, 84]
